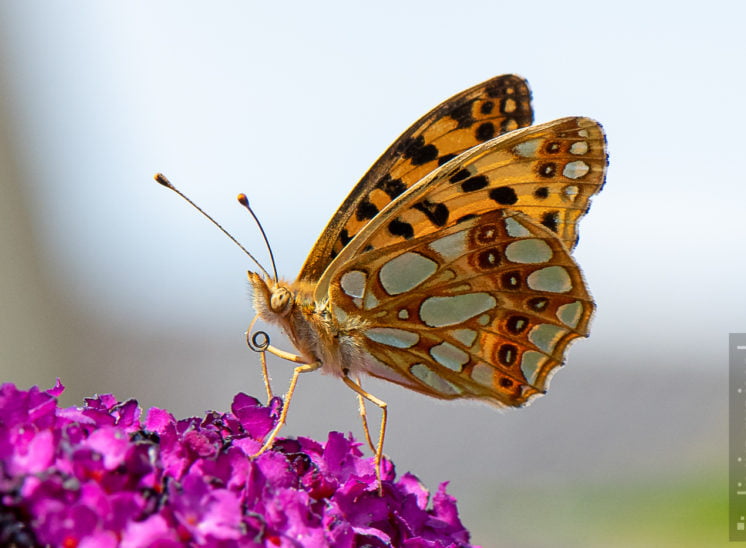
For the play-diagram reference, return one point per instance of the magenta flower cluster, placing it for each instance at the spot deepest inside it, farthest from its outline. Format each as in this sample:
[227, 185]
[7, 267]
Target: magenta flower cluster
[100, 476]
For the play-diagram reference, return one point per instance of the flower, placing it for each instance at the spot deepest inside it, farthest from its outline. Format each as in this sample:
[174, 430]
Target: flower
[101, 476]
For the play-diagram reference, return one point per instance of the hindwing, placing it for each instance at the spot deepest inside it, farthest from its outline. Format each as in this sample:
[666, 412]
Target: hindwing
[484, 309]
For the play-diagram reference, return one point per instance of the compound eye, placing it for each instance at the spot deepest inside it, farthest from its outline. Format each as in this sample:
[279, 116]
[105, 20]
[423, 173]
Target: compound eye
[280, 301]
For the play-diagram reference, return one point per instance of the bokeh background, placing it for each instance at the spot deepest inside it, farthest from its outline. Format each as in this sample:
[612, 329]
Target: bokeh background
[112, 283]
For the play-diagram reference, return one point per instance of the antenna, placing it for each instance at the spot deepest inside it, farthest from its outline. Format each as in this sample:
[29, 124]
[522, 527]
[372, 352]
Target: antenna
[165, 182]
[244, 201]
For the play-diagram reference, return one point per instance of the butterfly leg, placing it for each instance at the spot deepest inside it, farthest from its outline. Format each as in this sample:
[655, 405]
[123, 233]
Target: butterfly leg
[265, 376]
[305, 368]
[364, 417]
[384, 416]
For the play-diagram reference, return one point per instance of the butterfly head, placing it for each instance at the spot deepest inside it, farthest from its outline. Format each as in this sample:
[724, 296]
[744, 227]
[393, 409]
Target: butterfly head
[272, 300]
[281, 300]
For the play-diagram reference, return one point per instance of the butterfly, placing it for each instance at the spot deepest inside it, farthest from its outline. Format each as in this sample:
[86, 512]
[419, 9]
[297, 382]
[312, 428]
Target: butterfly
[448, 268]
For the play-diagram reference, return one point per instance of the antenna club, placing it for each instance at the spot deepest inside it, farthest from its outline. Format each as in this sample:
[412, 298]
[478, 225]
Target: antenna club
[243, 200]
[165, 182]
[161, 178]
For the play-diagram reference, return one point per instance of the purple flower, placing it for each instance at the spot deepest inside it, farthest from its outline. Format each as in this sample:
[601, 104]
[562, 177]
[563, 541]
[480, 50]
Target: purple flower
[99, 476]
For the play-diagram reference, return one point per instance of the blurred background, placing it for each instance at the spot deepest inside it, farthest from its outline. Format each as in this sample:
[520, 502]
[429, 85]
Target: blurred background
[115, 285]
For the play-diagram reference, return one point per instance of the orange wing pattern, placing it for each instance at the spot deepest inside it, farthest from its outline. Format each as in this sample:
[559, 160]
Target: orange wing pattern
[474, 116]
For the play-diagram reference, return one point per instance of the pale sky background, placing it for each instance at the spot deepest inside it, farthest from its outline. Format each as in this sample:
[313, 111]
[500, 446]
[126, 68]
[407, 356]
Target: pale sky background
[114, 284]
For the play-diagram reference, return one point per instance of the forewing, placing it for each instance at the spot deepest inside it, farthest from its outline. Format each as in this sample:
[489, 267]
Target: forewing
[548, 172]
[484, 309]
[465, 120]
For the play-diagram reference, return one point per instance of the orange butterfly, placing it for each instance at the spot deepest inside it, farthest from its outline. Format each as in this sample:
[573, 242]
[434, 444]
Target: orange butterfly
[447, 269]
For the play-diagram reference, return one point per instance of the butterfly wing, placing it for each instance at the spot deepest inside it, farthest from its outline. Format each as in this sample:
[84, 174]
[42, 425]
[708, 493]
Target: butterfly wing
[548, 172]
[473, 116]
[484, 309]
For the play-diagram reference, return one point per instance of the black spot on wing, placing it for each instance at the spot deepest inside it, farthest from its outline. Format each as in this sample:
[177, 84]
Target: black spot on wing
[465, 218]
[392, 187]
[511, 280]
[436, 212]
[553, 147]
[401, 229]
[504, 195]
[541, 193]
[459, 176]
[507, 354]
[550, 219]
[548, 169]
[517, 324]
[417, 152]
[446, 158]
[365, 211]
[462, 115]
[485, 131]
[538, 304]
[475, 183]
[488, 259]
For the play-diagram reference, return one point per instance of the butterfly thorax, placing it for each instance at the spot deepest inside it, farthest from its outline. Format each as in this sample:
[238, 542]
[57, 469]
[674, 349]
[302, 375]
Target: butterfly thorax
[316, 334]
